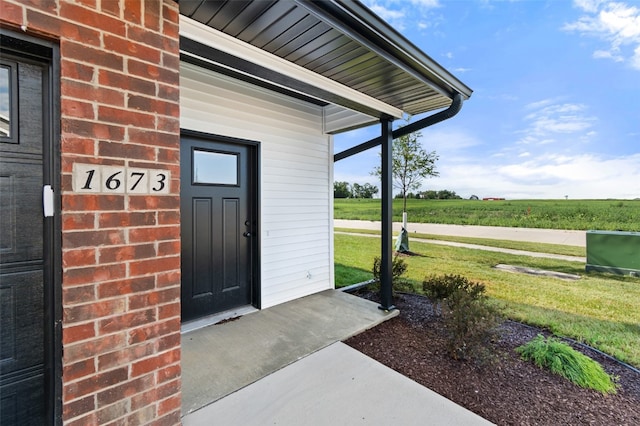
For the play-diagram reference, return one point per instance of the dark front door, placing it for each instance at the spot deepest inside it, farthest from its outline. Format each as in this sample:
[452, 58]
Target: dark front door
[218, 225]
[23, 277]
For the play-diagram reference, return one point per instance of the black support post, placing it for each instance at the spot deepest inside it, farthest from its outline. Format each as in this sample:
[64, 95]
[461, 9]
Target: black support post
[386, 141]
[386, 265]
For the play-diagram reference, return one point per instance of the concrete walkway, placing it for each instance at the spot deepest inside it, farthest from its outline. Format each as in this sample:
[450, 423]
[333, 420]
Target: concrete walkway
[535, 235]
[336, 386]
[286, 365]
[579, 259]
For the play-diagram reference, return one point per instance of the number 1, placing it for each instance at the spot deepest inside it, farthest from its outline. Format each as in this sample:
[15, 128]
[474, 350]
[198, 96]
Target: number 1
[87, 184]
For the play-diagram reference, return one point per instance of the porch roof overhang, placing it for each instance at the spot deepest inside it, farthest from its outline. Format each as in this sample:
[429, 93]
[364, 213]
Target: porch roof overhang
[335, 53]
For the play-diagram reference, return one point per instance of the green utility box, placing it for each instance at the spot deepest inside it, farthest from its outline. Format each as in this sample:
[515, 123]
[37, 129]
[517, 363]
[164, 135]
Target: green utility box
[613, 251]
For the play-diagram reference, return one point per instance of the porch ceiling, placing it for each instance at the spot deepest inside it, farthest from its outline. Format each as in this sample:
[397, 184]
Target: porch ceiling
[337, 39]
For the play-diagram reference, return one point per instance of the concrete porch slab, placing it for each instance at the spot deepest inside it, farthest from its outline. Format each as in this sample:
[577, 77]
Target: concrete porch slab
[222, 358]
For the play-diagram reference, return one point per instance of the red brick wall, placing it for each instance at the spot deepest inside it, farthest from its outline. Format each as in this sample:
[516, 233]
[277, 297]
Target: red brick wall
[120, 253]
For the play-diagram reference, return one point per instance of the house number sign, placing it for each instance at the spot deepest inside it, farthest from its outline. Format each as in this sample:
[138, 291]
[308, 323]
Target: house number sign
[94, 178]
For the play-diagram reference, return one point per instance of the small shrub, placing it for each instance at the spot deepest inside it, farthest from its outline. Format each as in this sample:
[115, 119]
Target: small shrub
[562, 359]
[399, 267]
[469, 319]
[470, 323]
[438, 288]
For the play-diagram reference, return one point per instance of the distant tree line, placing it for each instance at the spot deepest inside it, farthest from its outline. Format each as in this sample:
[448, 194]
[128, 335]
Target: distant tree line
[443, 194]
[355, 190]
[347, 190]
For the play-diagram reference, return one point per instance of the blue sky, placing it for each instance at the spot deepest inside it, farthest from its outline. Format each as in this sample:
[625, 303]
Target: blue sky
[556, 105]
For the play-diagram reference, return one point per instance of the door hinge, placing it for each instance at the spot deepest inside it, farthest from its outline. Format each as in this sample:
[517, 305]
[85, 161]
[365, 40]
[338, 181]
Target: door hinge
[47, 200]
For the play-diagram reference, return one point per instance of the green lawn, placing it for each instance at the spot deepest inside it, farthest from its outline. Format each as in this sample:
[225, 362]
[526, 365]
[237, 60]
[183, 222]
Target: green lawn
[600, 310]
[608, 215]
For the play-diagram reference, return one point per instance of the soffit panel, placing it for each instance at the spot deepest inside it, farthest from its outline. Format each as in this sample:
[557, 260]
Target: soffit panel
[291, 32]
[217, 50]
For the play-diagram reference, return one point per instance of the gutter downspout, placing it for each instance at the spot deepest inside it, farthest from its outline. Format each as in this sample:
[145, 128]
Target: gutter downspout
[446, 114]
[386, 139]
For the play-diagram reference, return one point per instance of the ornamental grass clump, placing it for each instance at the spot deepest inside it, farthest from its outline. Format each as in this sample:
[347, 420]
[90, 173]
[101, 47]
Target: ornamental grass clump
[562, 359]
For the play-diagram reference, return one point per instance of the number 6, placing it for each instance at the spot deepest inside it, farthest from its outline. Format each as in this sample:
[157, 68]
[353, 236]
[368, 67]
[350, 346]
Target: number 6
[112, 182]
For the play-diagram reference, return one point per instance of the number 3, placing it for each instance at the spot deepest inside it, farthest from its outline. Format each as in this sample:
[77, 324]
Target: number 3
[161, 178]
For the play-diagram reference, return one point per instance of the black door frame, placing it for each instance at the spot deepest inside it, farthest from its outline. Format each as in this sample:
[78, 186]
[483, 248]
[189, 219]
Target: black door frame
[46, 53]
[254, 195]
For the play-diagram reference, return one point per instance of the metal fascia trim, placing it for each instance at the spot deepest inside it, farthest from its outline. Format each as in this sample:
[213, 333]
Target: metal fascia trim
[354, 20]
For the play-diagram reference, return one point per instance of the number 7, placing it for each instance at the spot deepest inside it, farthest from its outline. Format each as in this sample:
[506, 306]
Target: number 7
[140, 175]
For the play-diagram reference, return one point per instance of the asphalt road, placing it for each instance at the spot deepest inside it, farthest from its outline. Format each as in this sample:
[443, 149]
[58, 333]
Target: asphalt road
[551, 236]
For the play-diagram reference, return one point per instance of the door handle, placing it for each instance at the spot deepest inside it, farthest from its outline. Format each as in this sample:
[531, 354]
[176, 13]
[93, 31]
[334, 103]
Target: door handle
[47, 200]
[246, 234]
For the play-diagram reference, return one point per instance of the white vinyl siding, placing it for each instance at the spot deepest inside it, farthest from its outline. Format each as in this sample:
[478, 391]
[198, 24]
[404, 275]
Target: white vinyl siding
[296, 165]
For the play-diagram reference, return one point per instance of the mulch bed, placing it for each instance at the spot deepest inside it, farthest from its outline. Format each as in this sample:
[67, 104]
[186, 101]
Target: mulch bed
[507, 391]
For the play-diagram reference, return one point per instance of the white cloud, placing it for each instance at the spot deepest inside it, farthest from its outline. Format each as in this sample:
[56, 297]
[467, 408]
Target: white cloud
[588, 5]
[449, 142]
[545, 176]
[386, 13]
[508, 97]
[467, 167]
[540, 104]
[608, 54]
[635, 60]
[581, 176]
[553, 165]
[616, 23]
[430, 4]
[549, 119]
[397, 13]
